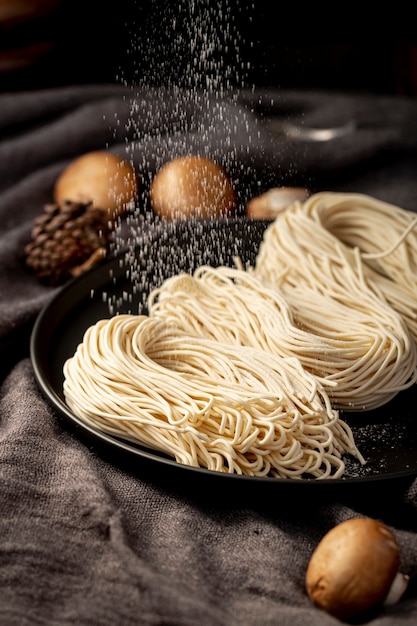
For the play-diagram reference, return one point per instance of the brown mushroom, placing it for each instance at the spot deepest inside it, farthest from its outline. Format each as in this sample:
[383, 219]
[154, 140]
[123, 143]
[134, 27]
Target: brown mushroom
[192, 186]
[105, 179]
[269, 204]
[355, 568]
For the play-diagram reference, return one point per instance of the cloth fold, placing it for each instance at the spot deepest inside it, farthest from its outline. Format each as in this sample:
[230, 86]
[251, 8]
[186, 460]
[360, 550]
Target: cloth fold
[85, 539]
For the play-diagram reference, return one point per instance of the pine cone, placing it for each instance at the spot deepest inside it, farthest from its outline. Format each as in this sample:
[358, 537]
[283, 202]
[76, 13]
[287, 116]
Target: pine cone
[67, 239]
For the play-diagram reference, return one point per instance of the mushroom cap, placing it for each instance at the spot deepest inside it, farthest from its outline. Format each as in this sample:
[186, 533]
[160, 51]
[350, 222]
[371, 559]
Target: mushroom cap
[106, 179]
[353, 567]
[192, 186]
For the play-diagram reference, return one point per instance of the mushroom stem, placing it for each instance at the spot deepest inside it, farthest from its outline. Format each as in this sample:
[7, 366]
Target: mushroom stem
[95, 257]
[398, 587]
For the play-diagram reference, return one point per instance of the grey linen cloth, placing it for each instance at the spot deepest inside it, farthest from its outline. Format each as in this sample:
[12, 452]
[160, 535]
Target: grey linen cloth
[86, 539]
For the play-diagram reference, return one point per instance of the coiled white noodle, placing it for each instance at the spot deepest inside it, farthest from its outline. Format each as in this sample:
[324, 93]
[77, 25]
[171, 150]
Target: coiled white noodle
[360, 351]
[335, 295]
[225, 407]
[386, 237]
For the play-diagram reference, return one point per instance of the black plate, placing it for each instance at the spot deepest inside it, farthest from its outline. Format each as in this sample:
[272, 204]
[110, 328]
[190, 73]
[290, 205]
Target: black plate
[387, 437]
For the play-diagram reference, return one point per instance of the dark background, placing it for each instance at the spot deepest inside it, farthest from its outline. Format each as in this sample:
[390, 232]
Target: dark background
[259, 43]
